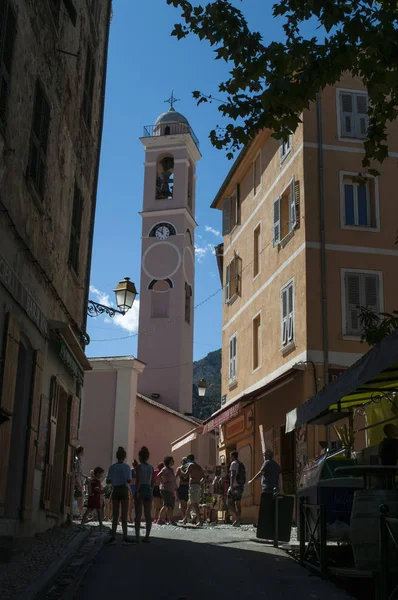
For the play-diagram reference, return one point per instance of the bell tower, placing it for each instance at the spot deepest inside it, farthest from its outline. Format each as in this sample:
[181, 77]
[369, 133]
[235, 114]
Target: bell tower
[165, 335]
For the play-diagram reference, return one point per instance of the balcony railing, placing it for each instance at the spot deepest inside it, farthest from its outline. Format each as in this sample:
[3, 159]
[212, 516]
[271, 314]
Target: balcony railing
[169, 129]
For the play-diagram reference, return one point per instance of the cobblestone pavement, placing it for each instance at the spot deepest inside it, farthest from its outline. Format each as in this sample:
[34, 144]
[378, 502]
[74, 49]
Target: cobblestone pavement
[192, 564]
[27, 566]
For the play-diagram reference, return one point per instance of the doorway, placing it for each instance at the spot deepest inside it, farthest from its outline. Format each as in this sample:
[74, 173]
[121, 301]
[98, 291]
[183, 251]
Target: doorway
[19, 433]
[60, 453]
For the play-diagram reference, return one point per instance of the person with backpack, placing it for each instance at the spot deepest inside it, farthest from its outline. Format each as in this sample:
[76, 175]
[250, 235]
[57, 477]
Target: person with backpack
[235, 491]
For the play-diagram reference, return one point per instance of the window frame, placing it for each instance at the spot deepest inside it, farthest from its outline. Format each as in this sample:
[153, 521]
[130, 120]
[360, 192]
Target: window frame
[5, 72]
[344, 304]
[37, 141]
[258, 315]
[257, 227]
[256, 190]
[340, 136]
[291, 208]
[188, 303]
[343, 225]
[87, 105]
[75, 236]
[288, 145]
[290, 343]
[233, 359]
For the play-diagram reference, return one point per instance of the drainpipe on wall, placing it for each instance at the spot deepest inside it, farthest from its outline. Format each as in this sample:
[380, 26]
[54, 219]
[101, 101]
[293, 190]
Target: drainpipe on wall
[325, 334]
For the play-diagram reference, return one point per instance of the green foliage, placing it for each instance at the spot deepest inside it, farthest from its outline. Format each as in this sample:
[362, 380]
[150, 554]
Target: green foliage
[377, 325]
[208, 368]
[270, 85]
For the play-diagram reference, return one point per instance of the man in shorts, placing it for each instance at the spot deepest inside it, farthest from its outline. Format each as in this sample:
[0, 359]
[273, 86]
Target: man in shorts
[235, 491]
[196, 475]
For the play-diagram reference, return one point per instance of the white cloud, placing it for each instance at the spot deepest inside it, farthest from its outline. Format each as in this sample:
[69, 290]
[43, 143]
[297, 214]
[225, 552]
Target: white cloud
[200, 252]
[129, 321]
[212, 230]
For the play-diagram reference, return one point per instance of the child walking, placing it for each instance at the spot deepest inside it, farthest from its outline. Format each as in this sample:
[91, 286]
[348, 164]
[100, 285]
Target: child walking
[94, 496]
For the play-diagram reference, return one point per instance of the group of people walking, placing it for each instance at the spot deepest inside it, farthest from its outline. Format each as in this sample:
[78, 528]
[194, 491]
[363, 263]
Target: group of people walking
[143, 486]
[146, 488]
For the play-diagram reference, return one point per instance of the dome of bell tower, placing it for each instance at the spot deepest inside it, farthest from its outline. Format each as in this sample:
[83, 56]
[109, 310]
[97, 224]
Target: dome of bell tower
[171, 116]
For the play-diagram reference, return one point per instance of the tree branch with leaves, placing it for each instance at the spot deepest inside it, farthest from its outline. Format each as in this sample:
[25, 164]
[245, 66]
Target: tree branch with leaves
[270, 85]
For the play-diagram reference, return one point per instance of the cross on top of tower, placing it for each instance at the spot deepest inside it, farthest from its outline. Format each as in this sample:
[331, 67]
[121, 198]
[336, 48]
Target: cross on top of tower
[172, 100]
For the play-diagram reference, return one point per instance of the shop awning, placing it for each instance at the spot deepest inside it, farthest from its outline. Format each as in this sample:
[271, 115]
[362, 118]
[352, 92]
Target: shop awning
[221, 416]
[376, 372]
[185, 439]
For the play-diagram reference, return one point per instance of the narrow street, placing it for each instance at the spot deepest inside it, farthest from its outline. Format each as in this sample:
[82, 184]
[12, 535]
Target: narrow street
[195, 564]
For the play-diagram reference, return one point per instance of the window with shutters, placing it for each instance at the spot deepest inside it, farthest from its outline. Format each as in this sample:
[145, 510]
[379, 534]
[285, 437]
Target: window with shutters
[39, 140]
[231, 211]
[285, 147]
[257, 251]
[233, 282]
[256, 341]
[359, 202]
[88, 90]
[285, 213]
[359, 289]
[188, 303]
[257, 174]
[7, 40]
[287, 314]
[353, 108]
[233, 359]
[75, 230]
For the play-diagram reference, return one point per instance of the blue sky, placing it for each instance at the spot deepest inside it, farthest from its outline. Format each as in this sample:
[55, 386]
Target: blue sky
[145, 63]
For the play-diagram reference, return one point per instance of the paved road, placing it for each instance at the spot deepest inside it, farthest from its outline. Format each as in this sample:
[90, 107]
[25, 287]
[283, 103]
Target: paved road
[197, 564]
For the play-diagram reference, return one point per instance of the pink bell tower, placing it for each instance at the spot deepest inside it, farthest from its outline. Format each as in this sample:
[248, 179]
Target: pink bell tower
[165, 335]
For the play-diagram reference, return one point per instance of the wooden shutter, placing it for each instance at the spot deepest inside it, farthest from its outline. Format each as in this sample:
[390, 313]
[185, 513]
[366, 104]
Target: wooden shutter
[88, 91]
[227, 282]
[10, 365]
[238, 275]
[284, 317]
[277, 222]
[347, 115]
[226, 216]
[353, 301]
[232, 358]
[39, 139]
[361, 116]
[371, 291]
[55, 393]
[292, 207]
[33, 432]
[297, 201]
[237, 201]
[7, 39]
[290, 299]
[74, 408]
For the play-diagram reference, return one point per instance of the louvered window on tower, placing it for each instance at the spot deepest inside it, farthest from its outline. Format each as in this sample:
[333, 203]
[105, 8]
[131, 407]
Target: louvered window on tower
[188, 303]
[233, 282]
[39, 140]
[231, 211]
[287, 309]
[75, 232]
[353, 114]
[361, 290]
[88, 90]
[7, 40]
[286, 212]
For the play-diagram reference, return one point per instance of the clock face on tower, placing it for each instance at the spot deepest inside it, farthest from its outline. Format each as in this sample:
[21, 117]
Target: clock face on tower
[162, 232]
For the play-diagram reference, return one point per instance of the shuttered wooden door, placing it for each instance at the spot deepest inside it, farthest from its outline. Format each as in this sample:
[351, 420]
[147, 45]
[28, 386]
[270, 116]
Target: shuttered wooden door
[33, 432]
[52, 432]
[7, 402]
[72, 442]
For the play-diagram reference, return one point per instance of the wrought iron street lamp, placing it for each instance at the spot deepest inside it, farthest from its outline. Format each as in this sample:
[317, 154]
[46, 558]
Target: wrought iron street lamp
[202, 386]
[125, 293]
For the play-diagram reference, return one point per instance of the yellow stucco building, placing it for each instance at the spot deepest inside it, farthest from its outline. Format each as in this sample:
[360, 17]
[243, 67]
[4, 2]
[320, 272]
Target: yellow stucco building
[304, 245]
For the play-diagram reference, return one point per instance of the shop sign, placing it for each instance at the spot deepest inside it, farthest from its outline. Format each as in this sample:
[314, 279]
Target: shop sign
[235, 427]
[21, 295]
[70, 363]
